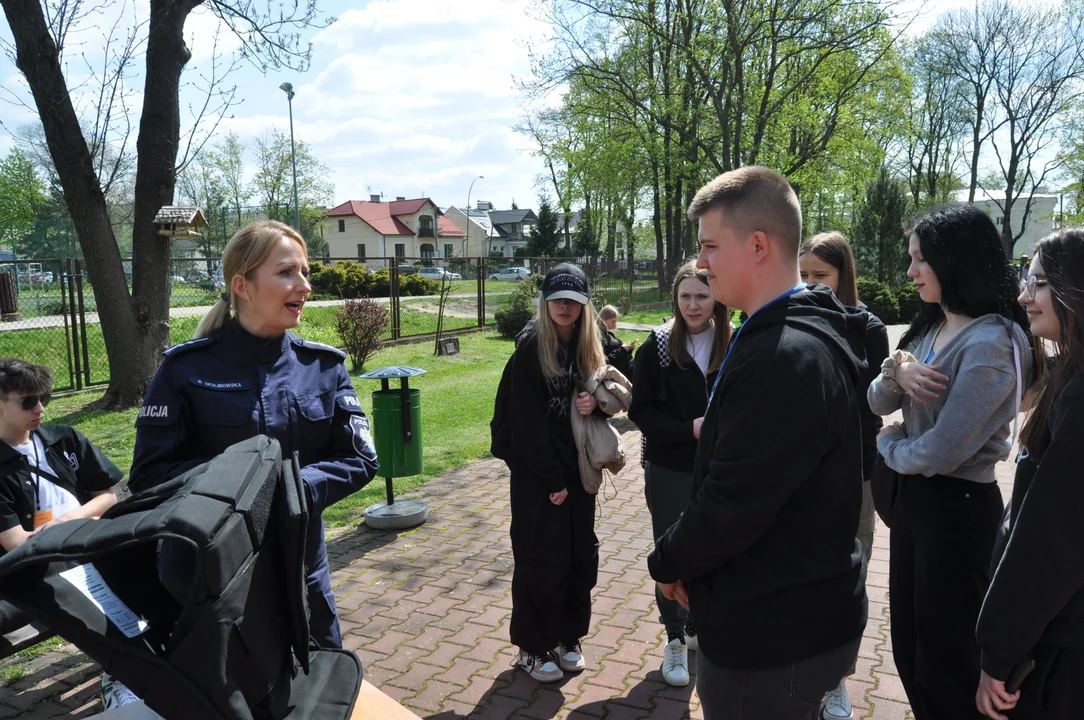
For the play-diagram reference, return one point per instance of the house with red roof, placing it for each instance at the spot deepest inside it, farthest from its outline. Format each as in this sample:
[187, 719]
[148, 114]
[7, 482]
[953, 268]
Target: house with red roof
[400, 228]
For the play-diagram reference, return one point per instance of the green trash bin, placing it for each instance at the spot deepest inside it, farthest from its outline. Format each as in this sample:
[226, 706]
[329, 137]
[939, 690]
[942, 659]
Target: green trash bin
[397, 434]
[398, 444]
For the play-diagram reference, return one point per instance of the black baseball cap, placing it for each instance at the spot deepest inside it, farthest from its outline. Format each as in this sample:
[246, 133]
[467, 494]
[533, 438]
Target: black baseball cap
[566, 281]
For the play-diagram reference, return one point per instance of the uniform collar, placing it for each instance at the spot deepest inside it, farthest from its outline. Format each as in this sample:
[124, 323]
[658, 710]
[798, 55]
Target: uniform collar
[266, 349]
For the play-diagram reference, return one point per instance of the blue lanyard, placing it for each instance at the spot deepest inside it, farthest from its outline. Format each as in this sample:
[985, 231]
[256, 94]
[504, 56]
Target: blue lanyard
[719, 376]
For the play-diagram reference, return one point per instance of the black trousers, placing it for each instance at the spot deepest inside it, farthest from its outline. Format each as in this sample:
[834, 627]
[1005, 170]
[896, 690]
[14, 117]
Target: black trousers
[1055, 689]
[668, 493]
[556, 556]
[790, 692]
[940, 546]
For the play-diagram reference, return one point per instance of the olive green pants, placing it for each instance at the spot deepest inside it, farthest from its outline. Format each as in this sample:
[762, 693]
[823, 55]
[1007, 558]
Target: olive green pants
[668, 493]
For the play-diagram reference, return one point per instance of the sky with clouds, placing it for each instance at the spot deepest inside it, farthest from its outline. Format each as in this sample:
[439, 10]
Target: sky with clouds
[404, 97]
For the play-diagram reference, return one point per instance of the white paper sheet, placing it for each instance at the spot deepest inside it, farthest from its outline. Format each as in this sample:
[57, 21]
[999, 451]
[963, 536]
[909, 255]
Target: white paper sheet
[87, 580]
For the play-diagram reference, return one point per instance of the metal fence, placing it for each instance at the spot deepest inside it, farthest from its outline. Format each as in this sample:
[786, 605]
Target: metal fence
[54, 321]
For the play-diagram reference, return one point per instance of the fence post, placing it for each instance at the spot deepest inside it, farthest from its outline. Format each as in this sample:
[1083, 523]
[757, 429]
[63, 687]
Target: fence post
[82, 320]
[70, 274]
[393, 299]
[480, 289]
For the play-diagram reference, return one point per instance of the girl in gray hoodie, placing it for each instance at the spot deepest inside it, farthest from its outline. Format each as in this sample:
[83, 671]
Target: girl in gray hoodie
[958, 376]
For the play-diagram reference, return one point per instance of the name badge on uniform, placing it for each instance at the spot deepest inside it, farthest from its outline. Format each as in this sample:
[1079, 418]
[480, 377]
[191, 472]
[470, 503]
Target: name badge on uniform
[221, 385]
[41, 517]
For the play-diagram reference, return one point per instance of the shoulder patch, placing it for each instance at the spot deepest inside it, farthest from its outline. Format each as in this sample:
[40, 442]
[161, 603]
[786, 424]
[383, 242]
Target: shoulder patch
[190, 345]
[312, 345]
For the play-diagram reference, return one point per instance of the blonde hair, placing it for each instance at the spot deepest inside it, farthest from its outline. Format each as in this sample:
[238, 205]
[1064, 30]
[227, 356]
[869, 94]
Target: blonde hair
[720, 317]
[245, 252]
[608, 312]
[589, 355]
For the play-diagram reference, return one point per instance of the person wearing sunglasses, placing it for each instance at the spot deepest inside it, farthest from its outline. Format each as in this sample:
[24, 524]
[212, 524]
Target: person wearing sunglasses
[49, 474]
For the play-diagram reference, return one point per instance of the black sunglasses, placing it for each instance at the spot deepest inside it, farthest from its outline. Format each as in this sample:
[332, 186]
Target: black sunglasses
[29, 402]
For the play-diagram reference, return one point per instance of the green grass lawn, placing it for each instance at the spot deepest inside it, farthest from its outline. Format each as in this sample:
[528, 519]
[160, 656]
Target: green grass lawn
[457, 405]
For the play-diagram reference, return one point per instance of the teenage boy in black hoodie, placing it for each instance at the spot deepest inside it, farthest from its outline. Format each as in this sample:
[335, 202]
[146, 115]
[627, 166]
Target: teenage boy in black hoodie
[777, 591]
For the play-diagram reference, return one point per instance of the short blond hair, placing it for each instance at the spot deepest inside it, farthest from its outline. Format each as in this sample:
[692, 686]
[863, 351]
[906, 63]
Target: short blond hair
[608, 312]
[753, 198]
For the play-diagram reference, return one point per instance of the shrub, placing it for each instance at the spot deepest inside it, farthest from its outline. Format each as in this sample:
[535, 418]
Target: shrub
[416, 285]
[360, 324]
[909, 303]
[879, 300]
[512, 318]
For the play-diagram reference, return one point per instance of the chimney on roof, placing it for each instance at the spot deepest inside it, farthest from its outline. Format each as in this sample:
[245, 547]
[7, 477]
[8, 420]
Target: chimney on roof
[485, 205]
[400, 197]
[374, 198]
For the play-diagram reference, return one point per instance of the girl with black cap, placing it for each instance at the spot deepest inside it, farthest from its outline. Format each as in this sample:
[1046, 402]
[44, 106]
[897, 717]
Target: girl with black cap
[553, 517]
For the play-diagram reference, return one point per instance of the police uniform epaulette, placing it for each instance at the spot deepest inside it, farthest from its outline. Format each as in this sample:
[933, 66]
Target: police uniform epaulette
[189, 345]
[312, 345]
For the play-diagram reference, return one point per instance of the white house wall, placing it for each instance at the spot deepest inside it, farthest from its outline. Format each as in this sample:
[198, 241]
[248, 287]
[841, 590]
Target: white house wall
[356, 231]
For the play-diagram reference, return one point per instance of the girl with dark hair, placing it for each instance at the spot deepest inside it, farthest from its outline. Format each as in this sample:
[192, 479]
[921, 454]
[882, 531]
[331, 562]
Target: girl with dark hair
[1034, 610]
[958, 376]
[675, 367]
[827, 259]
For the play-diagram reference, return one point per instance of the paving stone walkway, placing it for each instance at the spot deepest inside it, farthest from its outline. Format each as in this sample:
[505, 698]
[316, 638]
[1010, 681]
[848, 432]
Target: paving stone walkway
[428, 612]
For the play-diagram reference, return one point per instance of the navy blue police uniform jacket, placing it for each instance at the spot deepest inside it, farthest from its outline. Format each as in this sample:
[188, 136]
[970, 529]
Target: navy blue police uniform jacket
[218, 390]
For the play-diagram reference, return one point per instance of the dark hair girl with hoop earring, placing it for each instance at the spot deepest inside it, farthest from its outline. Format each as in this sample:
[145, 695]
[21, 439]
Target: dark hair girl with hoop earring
[959, 376]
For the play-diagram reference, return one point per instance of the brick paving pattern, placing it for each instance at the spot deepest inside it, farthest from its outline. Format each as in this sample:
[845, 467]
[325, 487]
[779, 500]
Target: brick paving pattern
[428, 609]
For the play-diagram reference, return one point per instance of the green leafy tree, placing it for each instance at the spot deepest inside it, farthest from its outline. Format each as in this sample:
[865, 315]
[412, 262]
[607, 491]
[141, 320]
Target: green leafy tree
[587, 241]
[272, 186]
[22, 198]
[545, 237]
[880, 251]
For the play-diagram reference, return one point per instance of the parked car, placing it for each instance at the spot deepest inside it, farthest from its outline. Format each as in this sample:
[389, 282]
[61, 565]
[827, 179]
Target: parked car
[407, 270]
[512, 273]
[177, 279]
[438, 273]
[622, 273]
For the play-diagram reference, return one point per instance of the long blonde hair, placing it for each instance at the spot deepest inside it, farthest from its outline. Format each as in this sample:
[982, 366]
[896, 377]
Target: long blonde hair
[589, 355]
[245, 252]
[679, 330]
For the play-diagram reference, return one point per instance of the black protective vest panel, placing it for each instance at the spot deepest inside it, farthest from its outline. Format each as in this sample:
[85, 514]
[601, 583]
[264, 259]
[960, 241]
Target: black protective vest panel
[233, 642]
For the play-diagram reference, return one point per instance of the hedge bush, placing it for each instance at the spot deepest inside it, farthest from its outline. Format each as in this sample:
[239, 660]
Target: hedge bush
[350, 280]
[909, 303]
[513, 317]
[879, 299]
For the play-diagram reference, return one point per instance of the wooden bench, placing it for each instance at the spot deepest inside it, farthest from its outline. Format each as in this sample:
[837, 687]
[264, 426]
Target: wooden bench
[371, 704]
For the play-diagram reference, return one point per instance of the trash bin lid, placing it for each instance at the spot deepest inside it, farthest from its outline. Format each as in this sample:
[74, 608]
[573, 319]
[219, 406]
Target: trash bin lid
[393, 371]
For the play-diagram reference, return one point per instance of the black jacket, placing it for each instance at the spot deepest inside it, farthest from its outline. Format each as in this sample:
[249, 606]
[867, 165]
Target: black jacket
[532, 421]
[876, 347]
[1037, 592]
[81, 468]
[665, 403]
[767, 546]
[615, 352]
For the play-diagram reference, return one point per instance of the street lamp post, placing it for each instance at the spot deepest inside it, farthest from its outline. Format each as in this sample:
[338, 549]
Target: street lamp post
[467, 213]
[288, 88]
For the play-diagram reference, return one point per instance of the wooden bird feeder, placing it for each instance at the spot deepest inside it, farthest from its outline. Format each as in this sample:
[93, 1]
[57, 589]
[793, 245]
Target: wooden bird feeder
[180, 222]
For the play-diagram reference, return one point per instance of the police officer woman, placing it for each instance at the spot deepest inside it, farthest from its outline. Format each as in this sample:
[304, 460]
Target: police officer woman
[244, 375]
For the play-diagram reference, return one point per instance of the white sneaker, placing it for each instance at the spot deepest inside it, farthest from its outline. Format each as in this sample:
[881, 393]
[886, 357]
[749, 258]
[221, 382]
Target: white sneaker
[675, 663]
[690, 636]
[541, 667]
[115, 693]
[837, 704]
[570, 657]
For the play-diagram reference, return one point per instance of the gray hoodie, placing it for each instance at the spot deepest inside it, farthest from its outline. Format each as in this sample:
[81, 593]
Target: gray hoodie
[965, 432]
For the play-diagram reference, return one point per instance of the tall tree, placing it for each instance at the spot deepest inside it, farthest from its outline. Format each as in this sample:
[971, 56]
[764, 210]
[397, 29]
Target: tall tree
[880, 251]
[134, 322]
[545, 238]
[587, 244]
[228, 158]
[272, 186]
[22, 199]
